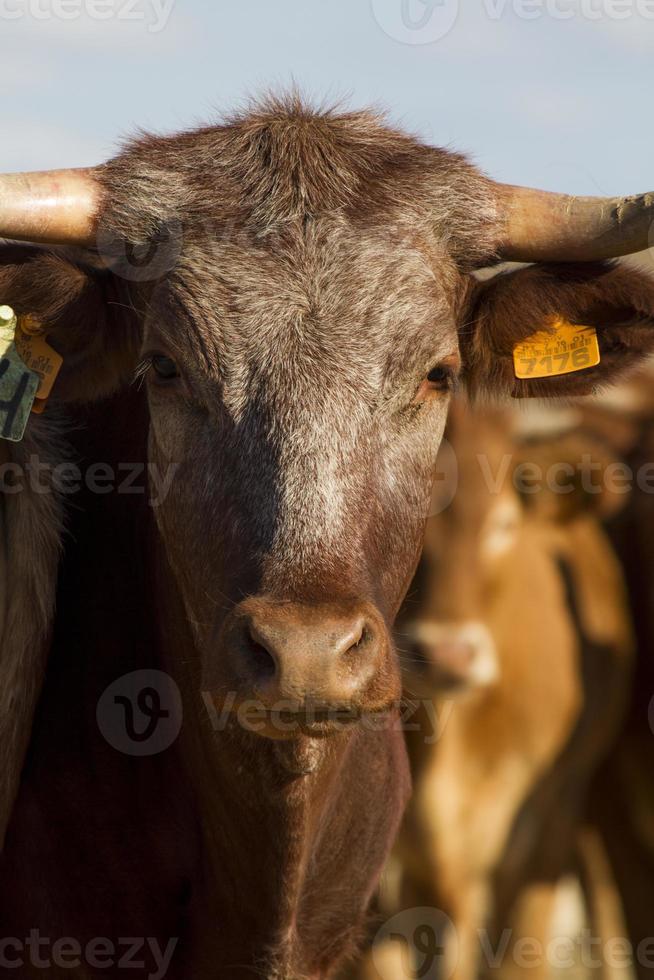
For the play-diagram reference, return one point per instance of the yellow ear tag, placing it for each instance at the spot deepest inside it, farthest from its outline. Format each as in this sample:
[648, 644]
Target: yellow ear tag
[567, 348]
[18, 383]
[39, 356]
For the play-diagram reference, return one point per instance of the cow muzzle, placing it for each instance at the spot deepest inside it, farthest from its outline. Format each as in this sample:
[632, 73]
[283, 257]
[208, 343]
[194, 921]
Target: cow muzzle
[309, 669]
[454, 655]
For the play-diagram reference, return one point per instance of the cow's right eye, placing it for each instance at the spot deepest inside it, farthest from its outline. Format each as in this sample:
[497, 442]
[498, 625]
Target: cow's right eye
[164, 367]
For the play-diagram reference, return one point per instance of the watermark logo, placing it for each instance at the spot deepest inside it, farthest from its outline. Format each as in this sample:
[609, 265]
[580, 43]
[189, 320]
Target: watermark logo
[446, 479]
[147, 262]
[141, 713]
[566, 10]
[41, 477]
[418, 943]
[416, 21]
[67, 953]
[154, 14]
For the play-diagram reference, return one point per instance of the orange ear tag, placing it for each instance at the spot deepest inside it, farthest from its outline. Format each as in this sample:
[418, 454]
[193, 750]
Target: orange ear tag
[567, 348]
[40, 357]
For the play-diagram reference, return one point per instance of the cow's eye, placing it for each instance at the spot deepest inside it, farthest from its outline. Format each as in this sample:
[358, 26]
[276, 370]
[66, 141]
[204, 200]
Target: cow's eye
[164, 367]
[441, 377]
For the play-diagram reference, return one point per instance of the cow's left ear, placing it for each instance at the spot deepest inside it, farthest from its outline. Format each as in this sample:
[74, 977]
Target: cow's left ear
[617, 301]
[88, 313]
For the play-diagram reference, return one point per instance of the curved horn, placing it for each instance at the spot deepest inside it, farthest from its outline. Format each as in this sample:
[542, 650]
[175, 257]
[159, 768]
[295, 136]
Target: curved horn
[57, 207]
[545, 227]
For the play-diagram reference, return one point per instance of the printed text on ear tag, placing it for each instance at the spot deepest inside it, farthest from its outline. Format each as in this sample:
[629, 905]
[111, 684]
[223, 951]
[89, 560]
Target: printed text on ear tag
[40, 357]
[18, 384]
[566, 348]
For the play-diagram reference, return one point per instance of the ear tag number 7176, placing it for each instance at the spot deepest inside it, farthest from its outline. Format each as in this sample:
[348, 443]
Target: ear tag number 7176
[566, 348]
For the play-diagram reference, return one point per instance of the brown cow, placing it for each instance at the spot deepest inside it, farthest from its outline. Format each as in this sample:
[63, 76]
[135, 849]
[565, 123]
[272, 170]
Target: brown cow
[516, 632]
[293, 289]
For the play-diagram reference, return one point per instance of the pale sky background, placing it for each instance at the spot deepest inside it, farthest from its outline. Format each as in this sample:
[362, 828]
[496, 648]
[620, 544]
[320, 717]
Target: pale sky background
[564, 104]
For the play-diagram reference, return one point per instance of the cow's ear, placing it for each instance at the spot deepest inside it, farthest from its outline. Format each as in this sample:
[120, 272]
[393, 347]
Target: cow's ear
[87, 312]
[617, 301]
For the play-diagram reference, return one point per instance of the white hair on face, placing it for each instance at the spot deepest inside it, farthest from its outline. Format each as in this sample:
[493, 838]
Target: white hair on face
[318, 475]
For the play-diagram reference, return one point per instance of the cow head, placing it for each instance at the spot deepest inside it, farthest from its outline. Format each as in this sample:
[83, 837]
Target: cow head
[299, 309]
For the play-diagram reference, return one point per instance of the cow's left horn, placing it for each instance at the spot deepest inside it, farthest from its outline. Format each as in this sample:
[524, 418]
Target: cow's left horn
[57, 207]
[545, 227]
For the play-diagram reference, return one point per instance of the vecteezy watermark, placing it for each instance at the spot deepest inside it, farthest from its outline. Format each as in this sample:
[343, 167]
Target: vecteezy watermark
[528, 478]
[67, 478]
[416, 21]
[589, 10]
[155, 14]
[423, 942]
[565, 476]
[445, 479]
[290, 718]
[43, 953]
[428, 21]
[425, 945]
[566, 952]
[147, 262]
[141, 713]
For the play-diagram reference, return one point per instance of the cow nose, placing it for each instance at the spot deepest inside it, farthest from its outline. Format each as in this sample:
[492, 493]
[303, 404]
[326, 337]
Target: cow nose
[456, 654]
[294, 654]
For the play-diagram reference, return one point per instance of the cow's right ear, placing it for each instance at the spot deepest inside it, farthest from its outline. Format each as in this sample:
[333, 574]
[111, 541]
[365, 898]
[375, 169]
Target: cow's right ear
[88, 314]
[503, 312]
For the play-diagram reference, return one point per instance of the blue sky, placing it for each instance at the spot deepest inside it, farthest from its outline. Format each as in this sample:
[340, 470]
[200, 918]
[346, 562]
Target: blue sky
[554, 93]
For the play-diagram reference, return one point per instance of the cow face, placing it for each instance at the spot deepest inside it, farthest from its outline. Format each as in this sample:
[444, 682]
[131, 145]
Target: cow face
[300, 314]
[304, 399]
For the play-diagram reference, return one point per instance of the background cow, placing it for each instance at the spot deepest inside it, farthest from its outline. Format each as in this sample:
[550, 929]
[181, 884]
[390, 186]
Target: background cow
[517, 645]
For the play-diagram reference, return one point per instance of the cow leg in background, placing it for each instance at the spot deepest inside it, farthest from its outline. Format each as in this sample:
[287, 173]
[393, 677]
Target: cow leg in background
[527, 933]
[621, 808]
[603, 904]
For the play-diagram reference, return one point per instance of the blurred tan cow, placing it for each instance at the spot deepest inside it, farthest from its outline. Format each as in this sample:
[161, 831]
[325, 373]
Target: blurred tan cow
[517, 644]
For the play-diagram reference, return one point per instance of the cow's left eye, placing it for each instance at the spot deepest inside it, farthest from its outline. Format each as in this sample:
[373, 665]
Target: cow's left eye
[441, 377]
[164, 367]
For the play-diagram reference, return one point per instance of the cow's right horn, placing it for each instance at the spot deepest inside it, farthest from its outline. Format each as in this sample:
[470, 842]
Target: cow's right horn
[546, 227]
[57, 207]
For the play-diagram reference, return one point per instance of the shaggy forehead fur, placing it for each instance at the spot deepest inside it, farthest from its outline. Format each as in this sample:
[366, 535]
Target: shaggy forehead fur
[305, 232]
[282, 161]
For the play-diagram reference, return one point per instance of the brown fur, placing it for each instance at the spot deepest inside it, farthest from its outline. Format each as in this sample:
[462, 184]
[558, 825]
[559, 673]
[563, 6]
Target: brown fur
[32, 525]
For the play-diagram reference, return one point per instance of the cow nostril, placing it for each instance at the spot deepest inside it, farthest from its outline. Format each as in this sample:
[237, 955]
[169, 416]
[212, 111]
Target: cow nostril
[361, 641]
